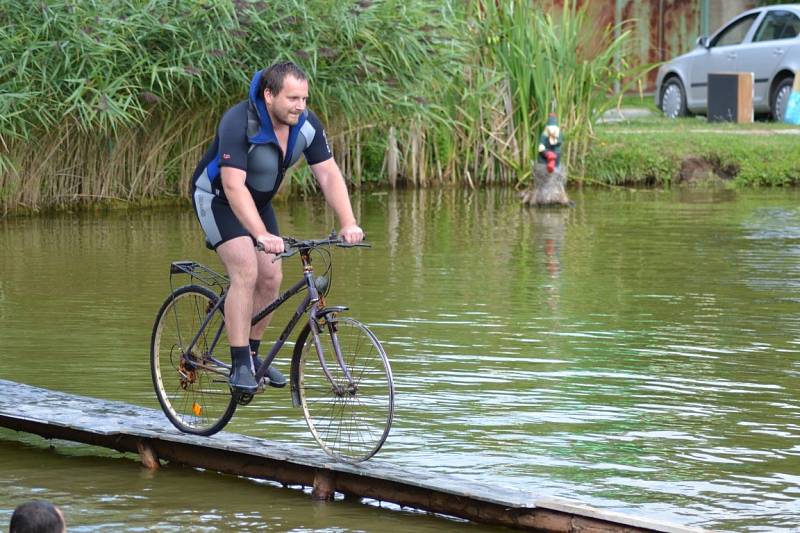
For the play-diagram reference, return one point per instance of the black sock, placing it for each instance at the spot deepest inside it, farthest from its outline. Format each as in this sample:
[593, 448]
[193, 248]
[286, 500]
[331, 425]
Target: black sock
[254, 345]
[240, 354]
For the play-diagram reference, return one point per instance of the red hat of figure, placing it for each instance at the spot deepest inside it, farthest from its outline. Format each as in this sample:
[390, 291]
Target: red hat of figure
[551, 120]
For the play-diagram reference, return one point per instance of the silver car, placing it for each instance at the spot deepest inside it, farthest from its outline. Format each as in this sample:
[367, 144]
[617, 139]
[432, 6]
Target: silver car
[764, 41]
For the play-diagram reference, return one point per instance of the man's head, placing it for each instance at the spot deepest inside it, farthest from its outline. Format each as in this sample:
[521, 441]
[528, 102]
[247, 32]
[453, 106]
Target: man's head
[37, 517]
[284, 87]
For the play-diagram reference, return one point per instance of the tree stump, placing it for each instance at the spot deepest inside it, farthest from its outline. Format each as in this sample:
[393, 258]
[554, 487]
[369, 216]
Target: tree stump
[547, 188]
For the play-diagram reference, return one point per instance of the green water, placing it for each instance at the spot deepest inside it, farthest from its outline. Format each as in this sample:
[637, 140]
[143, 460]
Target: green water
[638, 352]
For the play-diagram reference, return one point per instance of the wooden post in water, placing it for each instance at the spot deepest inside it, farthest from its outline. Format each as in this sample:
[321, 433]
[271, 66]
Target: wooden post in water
[324, 485]
[147, 455]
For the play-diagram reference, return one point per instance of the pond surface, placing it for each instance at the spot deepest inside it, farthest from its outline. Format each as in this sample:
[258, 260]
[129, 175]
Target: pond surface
[639, 352]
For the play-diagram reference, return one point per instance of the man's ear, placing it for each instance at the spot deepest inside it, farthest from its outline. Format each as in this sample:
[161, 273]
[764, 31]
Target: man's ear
[267, 96]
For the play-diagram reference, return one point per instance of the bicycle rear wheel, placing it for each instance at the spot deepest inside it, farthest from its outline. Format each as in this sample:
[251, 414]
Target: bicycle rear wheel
[192, 387]
[350, 421]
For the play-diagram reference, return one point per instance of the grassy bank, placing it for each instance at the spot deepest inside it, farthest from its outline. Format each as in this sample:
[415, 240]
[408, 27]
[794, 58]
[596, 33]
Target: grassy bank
[657, 151]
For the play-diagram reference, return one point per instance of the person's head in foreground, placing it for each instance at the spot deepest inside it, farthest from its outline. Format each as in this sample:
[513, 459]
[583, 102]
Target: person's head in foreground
[37, 517]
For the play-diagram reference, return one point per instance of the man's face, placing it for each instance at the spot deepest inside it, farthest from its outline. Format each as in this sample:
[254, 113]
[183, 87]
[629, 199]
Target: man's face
[287, 106]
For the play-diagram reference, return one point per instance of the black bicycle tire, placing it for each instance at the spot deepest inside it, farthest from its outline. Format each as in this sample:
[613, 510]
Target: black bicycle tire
[298, 389]
[158, 385]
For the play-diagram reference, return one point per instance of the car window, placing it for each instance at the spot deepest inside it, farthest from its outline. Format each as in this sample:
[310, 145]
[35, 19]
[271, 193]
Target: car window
[778, 25]
[734, 34]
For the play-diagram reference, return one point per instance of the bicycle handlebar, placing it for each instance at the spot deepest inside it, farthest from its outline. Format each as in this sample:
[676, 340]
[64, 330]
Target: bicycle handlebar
[295, 245]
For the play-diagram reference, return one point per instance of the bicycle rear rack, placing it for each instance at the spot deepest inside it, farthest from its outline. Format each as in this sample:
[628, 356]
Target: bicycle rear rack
[198, 273]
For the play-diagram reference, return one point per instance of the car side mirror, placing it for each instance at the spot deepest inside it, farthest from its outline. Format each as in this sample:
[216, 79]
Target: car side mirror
[702, 41]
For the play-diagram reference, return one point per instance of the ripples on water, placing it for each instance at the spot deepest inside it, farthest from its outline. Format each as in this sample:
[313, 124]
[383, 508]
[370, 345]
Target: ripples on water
[639, 352]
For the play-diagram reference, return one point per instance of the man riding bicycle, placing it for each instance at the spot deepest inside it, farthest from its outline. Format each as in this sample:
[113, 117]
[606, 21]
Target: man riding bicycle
[257, 140]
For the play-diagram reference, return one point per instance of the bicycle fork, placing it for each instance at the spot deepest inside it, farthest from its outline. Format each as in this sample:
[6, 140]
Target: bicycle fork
[317, 311]
[339, 390]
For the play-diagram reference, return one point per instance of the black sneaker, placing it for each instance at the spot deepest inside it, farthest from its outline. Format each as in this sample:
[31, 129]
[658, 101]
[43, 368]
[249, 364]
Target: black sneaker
[275, 377]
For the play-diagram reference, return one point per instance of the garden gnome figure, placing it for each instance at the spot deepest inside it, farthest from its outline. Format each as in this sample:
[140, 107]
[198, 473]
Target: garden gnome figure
[548, 175]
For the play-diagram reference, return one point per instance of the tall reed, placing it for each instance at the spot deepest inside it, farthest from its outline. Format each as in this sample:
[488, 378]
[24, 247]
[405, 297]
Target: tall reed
[522, 60]
[118, 99]
[549, 62]
[94, 96]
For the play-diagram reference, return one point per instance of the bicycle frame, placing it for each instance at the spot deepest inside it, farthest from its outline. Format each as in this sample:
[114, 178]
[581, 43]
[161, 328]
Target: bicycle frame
[306, 305]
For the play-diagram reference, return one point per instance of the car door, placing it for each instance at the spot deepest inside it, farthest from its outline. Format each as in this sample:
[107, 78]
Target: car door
[766, 51]
[721, 56]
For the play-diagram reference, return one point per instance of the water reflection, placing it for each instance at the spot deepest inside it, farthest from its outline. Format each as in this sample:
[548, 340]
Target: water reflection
[550, 231]
[711, 192]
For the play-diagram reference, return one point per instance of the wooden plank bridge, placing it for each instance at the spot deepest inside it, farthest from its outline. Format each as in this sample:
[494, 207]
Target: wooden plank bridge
[129, 428]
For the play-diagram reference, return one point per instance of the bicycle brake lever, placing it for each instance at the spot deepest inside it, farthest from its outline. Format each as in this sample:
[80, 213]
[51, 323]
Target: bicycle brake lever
[290, 253]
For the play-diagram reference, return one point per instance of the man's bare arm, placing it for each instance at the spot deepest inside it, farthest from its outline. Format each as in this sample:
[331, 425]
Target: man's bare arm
[332, 183]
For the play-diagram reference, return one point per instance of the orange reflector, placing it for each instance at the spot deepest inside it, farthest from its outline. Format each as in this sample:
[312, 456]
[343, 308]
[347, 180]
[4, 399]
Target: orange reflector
[196, 409]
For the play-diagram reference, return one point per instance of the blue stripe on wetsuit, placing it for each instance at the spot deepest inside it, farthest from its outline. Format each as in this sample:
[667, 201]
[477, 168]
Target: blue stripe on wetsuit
[212, 170]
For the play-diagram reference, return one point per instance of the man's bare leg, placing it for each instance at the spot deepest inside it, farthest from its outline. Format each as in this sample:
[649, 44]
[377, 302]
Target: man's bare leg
[241, 263]
[267, 288]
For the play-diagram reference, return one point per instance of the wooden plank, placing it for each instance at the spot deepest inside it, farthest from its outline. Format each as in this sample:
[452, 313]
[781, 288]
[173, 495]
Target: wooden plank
[145, 431]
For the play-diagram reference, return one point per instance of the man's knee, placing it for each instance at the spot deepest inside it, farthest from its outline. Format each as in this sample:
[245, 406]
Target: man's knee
[244, 276]
[270, 276]
[270, 281]
[241, 263]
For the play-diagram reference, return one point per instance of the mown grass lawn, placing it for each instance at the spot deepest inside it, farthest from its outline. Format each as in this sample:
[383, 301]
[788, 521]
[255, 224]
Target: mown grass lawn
[654, 150]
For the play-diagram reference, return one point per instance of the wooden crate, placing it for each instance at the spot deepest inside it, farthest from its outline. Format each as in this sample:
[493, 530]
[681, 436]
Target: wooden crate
[730, 97]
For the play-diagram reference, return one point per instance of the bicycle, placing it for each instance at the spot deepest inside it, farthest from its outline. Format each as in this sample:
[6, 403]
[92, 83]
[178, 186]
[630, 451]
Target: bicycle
[340, 374]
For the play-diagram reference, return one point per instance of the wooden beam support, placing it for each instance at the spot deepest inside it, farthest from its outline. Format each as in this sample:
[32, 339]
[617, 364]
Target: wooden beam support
[324, 485]
[147, 455]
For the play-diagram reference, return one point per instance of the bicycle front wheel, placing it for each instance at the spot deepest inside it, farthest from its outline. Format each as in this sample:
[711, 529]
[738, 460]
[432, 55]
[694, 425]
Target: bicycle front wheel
[191, 386]
[350, 417]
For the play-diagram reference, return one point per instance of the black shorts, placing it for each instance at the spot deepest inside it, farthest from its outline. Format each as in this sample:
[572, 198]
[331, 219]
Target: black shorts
[220, 224]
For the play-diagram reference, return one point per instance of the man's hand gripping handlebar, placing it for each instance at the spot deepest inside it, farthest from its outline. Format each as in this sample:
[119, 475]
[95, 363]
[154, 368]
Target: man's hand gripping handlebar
[291, 245]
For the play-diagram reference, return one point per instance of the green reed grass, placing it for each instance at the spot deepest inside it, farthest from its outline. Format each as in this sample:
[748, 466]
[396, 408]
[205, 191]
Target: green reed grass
[521, 63]
[118, 99]
[552, 62]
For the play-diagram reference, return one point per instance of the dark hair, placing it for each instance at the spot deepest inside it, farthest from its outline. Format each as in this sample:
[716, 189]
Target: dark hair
[272, 77]
[36, 517]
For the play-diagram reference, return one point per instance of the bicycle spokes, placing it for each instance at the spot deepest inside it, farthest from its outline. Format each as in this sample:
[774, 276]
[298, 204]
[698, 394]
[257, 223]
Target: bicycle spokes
[191, 386]
[346, 390]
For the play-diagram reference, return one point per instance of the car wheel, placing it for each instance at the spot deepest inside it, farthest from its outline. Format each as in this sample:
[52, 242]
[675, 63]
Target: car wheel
[779, 99]
[673, 99]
